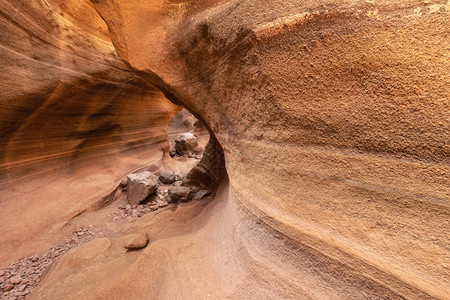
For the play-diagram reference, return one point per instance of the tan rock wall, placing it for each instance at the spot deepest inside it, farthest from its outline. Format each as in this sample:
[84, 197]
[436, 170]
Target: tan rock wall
[73, 118]
[333, 116]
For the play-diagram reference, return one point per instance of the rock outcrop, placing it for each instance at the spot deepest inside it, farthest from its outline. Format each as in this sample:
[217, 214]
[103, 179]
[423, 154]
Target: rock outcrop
[333, 118]
[74, 119]
[330, 119]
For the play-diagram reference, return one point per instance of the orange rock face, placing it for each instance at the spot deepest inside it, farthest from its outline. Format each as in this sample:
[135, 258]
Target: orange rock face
[73, 119]
[333, 120]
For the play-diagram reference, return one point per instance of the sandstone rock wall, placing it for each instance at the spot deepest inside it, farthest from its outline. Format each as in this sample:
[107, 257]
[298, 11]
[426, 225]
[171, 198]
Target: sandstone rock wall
[333, 116]
[73, 118]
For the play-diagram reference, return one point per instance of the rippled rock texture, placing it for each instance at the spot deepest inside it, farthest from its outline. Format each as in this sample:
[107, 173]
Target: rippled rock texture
[333, 117]
[74, 119]
[333, 121]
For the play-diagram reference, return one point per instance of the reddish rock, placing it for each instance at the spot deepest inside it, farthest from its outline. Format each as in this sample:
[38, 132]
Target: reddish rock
[138, 242]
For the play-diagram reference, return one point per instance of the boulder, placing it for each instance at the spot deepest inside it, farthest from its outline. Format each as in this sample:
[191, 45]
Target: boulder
[179, 194]
[167, 177]
[138, 242]
[187, 144]
[140, 186]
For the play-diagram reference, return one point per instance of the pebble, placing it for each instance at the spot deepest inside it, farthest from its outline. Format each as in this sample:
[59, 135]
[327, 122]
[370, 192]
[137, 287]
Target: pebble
[22, 288]
[16, 280]
[138, 242]
[8, 287]
[2, 272]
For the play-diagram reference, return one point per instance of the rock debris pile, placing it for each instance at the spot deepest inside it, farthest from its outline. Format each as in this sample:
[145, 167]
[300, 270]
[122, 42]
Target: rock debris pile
[147, 192]
[186, 144]
[20, 277]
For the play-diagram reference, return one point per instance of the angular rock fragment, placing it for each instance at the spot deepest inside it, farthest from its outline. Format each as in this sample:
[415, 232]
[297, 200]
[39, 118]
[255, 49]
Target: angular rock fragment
[140, 186]
[167, 177]
[138, 242]
[200, 194]
[179, 194]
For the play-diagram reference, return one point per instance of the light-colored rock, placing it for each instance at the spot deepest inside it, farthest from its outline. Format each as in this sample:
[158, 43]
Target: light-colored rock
[172, 150]
[179, 194]
[167, 177]
[15, 279]
[200, 194]
[138, 241]
[140, 186]
[2, 273]
[187, 144]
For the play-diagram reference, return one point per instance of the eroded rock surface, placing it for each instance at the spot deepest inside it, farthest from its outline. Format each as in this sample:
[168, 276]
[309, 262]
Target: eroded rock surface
[74, 119]
[332, 119]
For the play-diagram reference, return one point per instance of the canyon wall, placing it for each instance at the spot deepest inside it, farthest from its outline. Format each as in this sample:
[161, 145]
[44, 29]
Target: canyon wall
[333, 116]
[73, 119]
[333, 121]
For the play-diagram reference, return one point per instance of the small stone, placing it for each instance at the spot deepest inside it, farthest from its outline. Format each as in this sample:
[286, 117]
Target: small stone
[179, 193]
[200, 194]
[138, 242]
[128, 207]
[179, 177]
[154, 207]
[162, 203]
[167, 177]
[123, 183]
[122, 207]
[16, 279]
[80, 233]
[172, 151]
[22, 288]
[140, 207]
[2, 279]
[177, 183]
[2, 272]
[8, 287]
[19, 294]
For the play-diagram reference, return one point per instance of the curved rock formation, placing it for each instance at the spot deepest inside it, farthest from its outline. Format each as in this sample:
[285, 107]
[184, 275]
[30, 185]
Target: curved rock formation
[333, 117]
[73, 119]
[333, 120]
